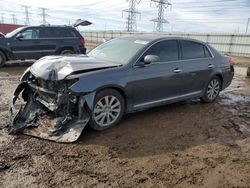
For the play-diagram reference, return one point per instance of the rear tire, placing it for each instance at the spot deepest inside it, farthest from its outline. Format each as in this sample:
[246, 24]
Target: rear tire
[2, 59]
[212, 90]
[65, 52]
[108, 110]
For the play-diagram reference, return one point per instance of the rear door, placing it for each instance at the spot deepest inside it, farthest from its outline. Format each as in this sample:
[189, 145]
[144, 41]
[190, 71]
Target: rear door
[157, 82]
[27, 47]
[197, 64]
[48, 40]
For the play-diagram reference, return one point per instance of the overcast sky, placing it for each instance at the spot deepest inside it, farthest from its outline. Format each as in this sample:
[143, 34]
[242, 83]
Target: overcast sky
[185, 15]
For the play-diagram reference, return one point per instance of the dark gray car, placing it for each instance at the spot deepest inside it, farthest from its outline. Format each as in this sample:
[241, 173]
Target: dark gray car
[62, 94]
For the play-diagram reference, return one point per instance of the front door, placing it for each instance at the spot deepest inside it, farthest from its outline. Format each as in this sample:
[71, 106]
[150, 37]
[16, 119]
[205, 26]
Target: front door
[26, 44]
[157, 82]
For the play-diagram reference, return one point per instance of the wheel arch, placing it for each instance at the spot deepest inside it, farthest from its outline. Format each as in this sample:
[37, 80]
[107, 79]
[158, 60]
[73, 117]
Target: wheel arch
[66, 48]
[5, 54]
[221, 79]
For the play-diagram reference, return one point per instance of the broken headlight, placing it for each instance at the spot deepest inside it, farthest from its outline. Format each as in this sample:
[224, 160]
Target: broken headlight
[25, 75]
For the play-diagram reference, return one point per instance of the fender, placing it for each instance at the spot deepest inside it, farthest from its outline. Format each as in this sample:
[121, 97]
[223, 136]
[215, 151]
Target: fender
[7, 52]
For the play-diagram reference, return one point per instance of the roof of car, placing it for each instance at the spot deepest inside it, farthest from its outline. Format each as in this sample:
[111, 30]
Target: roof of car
[49, 26]
[153, 37]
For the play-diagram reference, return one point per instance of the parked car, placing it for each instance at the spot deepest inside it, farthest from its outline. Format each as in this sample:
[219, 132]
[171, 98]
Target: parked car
[34, 42]
[120, 76]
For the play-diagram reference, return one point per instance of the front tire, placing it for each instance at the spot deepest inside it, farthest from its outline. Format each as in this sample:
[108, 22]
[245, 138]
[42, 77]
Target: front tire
[2, 59]
[108, 110]
[212, 90]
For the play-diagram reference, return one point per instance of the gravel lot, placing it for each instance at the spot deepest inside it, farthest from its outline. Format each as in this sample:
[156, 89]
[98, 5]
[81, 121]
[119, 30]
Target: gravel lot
[188, 144]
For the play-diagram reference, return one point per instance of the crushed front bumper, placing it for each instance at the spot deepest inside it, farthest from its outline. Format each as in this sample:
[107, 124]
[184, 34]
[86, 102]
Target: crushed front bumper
[31, 115]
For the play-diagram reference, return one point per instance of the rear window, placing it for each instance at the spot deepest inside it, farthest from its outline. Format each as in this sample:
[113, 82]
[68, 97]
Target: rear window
[56, 32]
[46, 33]
[66, 32]
[207, 53]
[194, 50]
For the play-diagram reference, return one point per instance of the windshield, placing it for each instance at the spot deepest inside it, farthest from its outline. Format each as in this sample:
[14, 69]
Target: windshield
[12, 33]
[119, 50]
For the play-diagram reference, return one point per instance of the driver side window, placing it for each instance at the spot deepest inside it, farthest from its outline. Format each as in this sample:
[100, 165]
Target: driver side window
[30, 34]
[167, 50]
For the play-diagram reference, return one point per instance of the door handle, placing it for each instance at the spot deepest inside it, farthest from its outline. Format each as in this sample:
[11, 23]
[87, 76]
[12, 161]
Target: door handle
[177, 70]
[210, 66]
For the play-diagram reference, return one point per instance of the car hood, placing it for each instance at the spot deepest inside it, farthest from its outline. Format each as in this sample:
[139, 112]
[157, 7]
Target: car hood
[59, 67]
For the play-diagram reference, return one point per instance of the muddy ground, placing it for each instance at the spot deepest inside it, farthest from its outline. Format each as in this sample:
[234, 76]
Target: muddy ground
[188, 144]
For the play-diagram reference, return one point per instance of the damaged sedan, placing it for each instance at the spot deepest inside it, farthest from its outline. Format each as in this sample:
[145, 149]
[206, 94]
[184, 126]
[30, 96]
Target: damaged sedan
[59, 95]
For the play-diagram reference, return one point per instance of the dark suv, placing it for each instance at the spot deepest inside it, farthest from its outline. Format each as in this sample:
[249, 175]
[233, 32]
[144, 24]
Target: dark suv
[34, 42]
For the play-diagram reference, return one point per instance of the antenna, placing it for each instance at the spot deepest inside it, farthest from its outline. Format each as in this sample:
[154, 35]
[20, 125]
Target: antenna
[26, 12]
[162, 5]
[132, 12]
[43, 14]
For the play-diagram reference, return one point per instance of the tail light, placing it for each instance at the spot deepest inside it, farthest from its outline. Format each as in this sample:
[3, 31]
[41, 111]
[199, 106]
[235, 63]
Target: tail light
[82, 41]
[232, 62]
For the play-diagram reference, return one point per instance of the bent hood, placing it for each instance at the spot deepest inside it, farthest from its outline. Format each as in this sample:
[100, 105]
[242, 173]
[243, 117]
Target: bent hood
[58, 67]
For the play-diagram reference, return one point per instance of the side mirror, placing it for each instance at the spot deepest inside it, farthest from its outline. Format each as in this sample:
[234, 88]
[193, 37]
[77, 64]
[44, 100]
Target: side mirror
[151, 59]
[19, 36]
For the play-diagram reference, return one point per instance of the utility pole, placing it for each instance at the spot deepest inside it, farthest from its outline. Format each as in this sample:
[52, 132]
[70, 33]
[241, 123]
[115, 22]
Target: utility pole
[2, 17]
[162, 5]
[132, 12]
[248, 21]
[43, 14]
[26, 12]
[14, 18]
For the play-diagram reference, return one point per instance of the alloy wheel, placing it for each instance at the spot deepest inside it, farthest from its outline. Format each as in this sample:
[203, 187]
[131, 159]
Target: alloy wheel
[213, 89]
[107, 111]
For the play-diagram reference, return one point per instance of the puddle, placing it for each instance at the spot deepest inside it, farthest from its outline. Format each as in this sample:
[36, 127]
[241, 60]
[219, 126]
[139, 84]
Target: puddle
[231, 98]
[240, 71]
[240, 85]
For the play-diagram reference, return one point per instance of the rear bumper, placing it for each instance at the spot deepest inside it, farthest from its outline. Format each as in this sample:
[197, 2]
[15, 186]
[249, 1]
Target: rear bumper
[82, 50]
[228, 77]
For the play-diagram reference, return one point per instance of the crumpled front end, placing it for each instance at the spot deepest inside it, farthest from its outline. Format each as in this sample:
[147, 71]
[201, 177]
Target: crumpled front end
[48, 109]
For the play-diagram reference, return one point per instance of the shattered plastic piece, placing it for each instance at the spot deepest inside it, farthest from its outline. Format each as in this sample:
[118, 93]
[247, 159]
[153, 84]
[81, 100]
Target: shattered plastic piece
[69, 134]
[44, 119]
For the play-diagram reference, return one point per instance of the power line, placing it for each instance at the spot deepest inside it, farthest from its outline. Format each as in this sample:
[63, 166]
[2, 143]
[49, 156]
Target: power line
[132, 12]
[162, 5]
[43, 14]
[26, 12]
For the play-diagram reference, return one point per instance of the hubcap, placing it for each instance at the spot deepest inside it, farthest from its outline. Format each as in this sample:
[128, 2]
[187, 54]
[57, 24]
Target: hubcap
[213, 89]
[107, 110]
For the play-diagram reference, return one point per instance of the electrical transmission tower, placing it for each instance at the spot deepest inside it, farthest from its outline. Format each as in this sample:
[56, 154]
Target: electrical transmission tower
[14, 19]
[2, 17]
[162, 5]
[43, 14]
[26, 12]
[132, 13]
